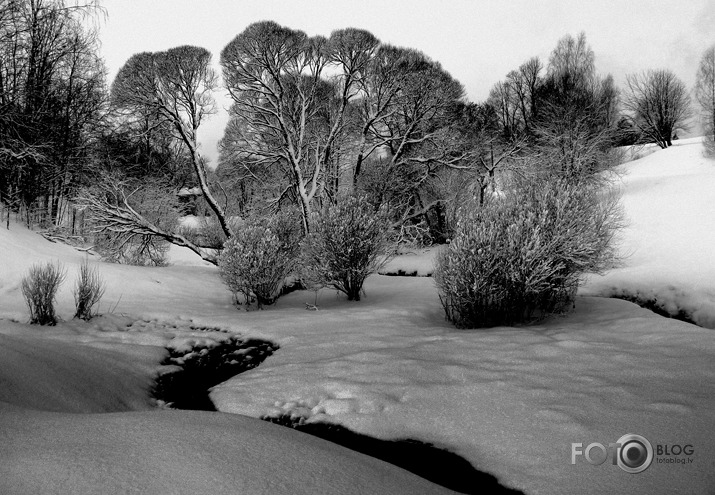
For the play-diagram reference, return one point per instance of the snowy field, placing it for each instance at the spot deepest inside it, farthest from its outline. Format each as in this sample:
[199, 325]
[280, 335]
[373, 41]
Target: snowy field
[75, 417]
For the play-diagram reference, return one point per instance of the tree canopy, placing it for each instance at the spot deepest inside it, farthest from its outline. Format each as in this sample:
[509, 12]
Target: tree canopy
[317, 109]
[659, 104]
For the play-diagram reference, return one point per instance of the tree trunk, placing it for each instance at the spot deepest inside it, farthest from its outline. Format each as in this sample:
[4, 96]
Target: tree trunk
[358, 168]
[189, 139]
[441, 212]
[213, 204]
[304, 211]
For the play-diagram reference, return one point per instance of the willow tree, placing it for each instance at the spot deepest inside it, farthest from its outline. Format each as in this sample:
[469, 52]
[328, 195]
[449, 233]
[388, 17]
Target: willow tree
[287, 113]
[176, 85]
[319, 109]
[273, 75]
[407, 118]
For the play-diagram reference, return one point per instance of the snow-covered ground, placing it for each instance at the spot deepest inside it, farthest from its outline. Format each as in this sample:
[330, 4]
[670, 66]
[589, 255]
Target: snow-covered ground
[510, 400]
[669, 242]
[75, 412]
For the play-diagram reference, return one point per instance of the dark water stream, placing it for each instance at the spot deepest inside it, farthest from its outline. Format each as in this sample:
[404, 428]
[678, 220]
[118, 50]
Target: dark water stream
[186, 385]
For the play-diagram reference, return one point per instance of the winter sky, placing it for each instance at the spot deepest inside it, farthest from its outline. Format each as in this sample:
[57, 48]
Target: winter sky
[477, 41]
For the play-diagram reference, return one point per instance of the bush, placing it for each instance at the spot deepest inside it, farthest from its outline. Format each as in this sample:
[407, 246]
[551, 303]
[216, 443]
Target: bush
[522, 256]
[88, 291]
[257, 259]
[350, 240]
[39, 287]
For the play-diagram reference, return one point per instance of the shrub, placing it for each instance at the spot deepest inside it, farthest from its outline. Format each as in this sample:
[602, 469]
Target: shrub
[257, 259]
[349, 241]
[522, 255]
[39, 287]
[88, 291]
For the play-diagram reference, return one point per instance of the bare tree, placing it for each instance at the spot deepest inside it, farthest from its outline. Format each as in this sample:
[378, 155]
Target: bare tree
[659, 104]
[572, 62]
[576, 115]
[407, 119]
[51, 99]
[352, 52]
[705, 94]
[608, 97]
[515, 99]
[524, 82]
[312, 108]
[273, 75]
[177, 85]
[503, 97]
[571, 89]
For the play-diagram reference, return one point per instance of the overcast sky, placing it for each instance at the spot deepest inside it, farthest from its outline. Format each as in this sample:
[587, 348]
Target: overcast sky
[477, 41]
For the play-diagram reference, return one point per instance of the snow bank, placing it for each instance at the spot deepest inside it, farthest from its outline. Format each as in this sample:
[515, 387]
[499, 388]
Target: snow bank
[181, 452]
[49, 375]
[108, 365]
[669, 200]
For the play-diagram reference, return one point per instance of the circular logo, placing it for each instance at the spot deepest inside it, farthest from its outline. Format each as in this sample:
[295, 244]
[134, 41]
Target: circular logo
[635, 453]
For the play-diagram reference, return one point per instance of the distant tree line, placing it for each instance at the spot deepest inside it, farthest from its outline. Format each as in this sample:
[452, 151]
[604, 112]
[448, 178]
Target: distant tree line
[534, 103]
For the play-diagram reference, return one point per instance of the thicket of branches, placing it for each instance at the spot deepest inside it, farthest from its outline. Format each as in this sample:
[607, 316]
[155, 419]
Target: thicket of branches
[39, 288]
[133, 222]
[88, 291]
